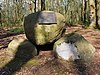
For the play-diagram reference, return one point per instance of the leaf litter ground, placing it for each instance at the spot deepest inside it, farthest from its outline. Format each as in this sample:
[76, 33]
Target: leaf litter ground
[46, 64]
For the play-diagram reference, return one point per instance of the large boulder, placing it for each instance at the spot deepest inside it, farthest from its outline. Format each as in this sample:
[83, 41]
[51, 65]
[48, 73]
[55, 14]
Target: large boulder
[72, 47]
[22, 48]
[44, 27]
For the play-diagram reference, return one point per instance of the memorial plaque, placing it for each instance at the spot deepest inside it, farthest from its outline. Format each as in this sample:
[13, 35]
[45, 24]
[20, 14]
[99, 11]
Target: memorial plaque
[47, 18]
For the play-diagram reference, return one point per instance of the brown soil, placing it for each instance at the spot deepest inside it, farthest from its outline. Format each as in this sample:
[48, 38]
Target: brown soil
[45, 63]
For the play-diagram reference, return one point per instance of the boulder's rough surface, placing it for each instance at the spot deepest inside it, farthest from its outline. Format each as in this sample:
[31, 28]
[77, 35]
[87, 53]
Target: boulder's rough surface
[20, 47]
[43, 33]
[85, 50]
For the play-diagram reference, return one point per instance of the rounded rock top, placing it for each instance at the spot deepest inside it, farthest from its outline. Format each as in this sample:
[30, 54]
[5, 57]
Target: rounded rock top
[44, 27]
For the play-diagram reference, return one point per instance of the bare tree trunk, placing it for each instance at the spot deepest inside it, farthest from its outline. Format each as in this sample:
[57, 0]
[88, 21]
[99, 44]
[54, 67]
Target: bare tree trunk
[92, 14]
[42, 5]
[0, 16]
[84, 11]
[87, 11]
[35, 6]
[98, 13]
[38, 5]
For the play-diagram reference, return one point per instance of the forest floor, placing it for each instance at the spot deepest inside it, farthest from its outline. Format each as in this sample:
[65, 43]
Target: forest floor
[45, 63]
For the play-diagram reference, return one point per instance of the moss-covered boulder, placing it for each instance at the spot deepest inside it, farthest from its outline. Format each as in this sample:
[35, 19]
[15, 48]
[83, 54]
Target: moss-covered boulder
[44, 27]
[22, 48]
[73, 46]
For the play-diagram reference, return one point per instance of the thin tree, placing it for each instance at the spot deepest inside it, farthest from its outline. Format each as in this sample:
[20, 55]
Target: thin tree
[42, 5]
[97, 4]
[0, 16]
[34, 1]
[84, 10]
[92, 14]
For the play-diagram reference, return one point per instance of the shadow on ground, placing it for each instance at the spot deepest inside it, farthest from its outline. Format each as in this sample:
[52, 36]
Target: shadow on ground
[80, 66]
[22, 56]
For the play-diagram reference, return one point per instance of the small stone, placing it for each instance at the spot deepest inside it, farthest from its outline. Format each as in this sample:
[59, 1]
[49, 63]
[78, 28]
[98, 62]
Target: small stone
[21, 47]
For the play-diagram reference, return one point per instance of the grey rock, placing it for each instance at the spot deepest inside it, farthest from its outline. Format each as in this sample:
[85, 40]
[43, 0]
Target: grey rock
[21, 47]
[85, 50]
